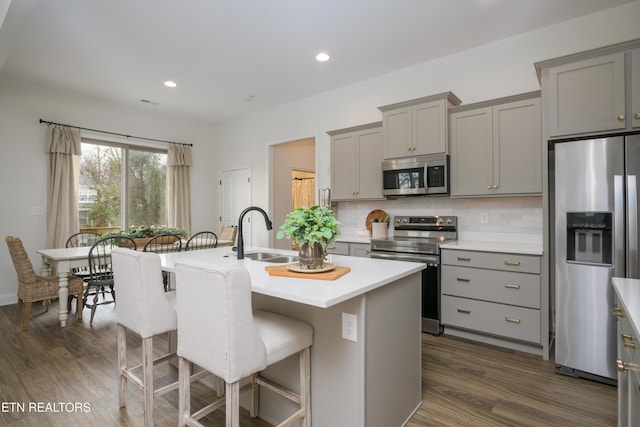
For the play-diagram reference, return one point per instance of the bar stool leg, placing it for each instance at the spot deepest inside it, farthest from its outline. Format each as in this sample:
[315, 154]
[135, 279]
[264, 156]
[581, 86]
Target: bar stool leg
[184, 390]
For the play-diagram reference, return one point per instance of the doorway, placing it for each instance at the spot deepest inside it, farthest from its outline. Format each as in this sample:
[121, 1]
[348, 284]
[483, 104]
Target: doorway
[292, 163]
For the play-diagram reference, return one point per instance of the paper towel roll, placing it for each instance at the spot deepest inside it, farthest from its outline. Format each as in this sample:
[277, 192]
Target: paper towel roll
[379, 230]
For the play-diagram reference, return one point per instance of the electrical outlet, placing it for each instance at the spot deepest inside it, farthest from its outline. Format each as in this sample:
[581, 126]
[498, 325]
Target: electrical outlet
[484, 218]
[350, 327]
[35, 210]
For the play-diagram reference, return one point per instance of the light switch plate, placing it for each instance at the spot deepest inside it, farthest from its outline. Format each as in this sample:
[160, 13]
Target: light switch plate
[35, 210]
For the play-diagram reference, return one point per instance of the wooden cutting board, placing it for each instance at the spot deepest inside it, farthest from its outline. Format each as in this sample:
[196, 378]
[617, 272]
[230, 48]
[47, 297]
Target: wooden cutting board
[282, 270]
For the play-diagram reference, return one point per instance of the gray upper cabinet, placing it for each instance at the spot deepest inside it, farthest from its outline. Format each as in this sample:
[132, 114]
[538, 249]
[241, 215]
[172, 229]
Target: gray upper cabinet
[495, 147]
[416, 127]
[586, 93]
[356, 163]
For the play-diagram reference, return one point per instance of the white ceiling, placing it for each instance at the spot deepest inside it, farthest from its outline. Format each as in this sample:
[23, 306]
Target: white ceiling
[219, 51]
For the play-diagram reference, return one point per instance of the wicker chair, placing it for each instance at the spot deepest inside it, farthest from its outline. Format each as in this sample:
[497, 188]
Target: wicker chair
[33, 288]
[229, 233]
[202, 240]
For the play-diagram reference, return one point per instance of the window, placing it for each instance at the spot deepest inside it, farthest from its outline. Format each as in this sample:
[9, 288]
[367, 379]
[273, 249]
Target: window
[107, 195]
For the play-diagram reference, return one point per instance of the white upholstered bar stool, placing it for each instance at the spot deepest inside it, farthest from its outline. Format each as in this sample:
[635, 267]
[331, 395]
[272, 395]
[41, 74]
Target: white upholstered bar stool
[219, 331]
[145, 308]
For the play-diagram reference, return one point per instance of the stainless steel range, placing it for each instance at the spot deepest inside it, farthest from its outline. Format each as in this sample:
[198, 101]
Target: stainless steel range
[418, 239]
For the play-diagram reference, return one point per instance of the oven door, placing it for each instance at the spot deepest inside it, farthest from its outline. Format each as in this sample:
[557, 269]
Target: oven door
[430, 286]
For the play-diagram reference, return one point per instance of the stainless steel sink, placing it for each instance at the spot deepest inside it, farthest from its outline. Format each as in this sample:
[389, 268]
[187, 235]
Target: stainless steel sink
[270, 257]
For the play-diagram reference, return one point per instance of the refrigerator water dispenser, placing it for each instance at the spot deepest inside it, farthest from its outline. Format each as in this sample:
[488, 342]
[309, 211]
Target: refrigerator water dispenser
[589, 237]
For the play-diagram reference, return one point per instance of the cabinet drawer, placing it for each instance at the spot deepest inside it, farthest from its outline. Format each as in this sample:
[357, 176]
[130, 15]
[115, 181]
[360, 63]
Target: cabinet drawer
[497, 319]
[490, 285]
[492, 260]
[338, 248]
[629, 344]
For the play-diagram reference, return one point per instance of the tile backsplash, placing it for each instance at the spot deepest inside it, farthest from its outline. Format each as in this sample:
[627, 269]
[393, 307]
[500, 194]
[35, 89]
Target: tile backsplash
[501, 218]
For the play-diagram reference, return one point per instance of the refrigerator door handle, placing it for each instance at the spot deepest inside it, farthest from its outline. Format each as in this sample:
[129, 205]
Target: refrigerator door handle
[618, 227]
[632, 227]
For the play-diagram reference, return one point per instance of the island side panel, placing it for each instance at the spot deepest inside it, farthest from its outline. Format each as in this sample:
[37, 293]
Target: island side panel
[393, 342]
[336, 365]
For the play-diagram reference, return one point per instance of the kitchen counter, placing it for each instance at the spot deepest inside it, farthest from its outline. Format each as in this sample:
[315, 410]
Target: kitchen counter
[489, 246]
[628, 291]
[371, 377]
[365, 275]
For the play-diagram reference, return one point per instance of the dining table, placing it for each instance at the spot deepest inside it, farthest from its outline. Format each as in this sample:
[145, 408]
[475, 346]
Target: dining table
[62, 261]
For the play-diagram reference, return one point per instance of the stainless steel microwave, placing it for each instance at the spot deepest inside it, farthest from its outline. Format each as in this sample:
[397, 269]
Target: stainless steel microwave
[416, 176]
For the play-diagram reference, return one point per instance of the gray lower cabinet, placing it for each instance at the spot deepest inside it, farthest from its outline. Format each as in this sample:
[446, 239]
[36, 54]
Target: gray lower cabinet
[591, 92]
[493, 294]
[356, 156]
[628, 373]
[349, 248]
[495, 147]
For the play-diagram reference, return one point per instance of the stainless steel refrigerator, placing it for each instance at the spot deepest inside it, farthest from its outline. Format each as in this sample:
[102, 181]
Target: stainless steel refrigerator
[596, 238]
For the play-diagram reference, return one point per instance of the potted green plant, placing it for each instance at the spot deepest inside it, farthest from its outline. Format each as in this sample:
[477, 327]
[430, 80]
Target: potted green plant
[313, 228]
[141, 233]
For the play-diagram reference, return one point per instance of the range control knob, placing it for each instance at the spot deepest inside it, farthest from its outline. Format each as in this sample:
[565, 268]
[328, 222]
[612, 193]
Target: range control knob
[449, 220]
[441, 221]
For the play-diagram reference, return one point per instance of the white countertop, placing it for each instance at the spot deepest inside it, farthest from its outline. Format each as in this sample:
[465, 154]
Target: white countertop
[628, 291]
[487, 246]
[366, 274]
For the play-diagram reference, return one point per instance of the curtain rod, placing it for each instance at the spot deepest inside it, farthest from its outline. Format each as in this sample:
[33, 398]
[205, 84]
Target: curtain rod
[114, 133]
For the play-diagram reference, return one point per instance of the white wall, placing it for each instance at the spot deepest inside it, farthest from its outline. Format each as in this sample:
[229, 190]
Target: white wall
[23, 164]
[490, 71]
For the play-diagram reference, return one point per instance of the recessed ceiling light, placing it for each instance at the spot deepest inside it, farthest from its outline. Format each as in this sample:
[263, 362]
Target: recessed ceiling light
[322, 57]
[169, 83]
[247, 98]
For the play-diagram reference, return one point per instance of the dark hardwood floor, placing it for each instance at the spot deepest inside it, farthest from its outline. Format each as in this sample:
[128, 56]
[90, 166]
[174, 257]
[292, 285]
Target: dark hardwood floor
[67, 377]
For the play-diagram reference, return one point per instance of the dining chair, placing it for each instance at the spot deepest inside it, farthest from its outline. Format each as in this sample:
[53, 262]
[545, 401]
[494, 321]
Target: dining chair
[219, 331]
[229, 232]
[162, 244]
[83, 238]
[34, 288]
[202, 240]
[100, 278]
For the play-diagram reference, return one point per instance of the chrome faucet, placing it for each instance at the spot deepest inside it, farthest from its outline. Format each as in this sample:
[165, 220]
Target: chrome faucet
[267, 221]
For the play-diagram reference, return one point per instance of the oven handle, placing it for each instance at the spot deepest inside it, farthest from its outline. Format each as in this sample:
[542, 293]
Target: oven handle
[426, 259]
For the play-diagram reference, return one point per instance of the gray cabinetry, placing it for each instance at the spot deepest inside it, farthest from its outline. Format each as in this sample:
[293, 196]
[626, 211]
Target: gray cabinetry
[628, 362]
[349, 248]
[356, 158]
[416, 127]
[493, 294]
[495, 147]
[588, 92]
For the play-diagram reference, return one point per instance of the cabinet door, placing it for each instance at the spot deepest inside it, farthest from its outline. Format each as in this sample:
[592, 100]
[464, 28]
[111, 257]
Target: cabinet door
[369, 164]
[342, 166]
[430, 128]
[517, 151]
[471, 152]
[635, 88]
[587, 96]
[396, 125]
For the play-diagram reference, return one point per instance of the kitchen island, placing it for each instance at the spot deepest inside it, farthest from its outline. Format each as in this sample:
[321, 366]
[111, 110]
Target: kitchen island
[374, 378]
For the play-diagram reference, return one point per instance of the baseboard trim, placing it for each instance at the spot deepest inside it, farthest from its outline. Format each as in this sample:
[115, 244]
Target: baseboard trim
[8, 299]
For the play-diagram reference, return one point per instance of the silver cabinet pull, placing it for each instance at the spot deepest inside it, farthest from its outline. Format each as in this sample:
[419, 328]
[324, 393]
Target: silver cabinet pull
[512, 286]
[620, 117]
[507, 262]
[636, 115]
[463, 259]
[511, 319]
[462, 310]
[462, 279]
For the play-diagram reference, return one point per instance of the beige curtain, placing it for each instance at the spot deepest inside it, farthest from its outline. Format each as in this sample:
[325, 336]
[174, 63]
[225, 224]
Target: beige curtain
[179, 186]
[63, 149]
